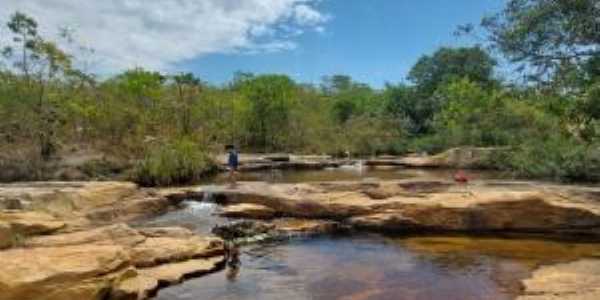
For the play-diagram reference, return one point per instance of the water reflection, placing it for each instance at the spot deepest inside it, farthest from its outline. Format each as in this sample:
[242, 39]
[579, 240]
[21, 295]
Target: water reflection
[375, 267]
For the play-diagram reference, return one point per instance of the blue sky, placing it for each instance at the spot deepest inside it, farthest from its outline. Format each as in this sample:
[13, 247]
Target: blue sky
[374, 41]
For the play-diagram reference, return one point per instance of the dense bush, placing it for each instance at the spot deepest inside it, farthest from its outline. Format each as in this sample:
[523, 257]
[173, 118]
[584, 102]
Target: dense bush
[174, 162]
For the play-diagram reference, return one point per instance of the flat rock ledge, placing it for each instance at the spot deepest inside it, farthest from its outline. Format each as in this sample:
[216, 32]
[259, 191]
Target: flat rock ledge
[112, 262]
[67, 240]
[579, 280]
[421, 206]
[408, 206]
[464, 157]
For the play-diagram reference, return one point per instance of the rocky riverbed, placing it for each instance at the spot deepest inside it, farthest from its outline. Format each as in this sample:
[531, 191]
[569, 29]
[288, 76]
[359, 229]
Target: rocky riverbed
[71, 240]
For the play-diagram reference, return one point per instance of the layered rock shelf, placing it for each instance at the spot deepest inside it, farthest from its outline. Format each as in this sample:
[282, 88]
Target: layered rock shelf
[421, 206]
[66, 241]
[69, 241]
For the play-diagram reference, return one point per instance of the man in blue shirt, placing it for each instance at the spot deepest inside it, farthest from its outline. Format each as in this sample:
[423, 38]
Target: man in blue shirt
[232, 163]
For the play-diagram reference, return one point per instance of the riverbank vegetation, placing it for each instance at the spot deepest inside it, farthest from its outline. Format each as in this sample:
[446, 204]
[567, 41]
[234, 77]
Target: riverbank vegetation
[165, 128]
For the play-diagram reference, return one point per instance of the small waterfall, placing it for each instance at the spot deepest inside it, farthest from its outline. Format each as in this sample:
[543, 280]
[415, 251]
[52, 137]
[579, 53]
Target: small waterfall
[208, 196]
[199, 208]
[360, 166]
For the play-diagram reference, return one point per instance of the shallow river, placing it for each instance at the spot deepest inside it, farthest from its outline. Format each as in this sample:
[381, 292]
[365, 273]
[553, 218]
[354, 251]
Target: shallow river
[354, 173]
[369, 266]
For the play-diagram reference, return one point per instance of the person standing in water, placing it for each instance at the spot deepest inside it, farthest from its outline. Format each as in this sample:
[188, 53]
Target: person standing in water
[232, 163]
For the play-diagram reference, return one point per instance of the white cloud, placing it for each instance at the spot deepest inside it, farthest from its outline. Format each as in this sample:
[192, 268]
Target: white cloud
[158, 34]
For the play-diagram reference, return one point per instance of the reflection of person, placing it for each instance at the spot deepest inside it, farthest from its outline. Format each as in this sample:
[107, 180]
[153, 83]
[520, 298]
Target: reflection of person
[232, 256]
[232, 163]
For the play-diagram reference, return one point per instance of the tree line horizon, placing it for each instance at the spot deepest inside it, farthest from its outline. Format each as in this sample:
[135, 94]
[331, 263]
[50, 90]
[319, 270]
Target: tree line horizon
[166, 128]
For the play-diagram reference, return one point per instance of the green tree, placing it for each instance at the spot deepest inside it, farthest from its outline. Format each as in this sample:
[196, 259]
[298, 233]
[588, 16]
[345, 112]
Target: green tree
[42, 65]
[449, 64]
[188, 89]
[271, 98]
[543, 34]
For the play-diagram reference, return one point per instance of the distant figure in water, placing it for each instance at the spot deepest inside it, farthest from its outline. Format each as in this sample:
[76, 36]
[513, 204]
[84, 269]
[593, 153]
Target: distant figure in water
[232, 163]
[461, 177]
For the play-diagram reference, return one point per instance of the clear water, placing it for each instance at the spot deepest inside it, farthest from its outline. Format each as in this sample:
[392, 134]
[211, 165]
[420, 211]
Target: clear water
[354, 173]
[377, 267]
[368, 266]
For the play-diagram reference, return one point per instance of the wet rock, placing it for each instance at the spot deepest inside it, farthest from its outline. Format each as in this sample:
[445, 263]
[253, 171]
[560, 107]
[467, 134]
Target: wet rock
[579, 280]
[306, 227]
[248, 211]
[133, 286]
[277, 157]
[242, 229]
[176, 272]
[249, 232]
[173, 232]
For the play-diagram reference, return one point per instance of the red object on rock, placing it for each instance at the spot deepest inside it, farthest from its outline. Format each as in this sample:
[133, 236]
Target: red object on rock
[461, 177]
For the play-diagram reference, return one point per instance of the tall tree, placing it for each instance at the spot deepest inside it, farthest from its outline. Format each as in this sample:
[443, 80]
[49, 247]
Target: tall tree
[188, 89]
[41, 64]
[271, 98]
[449, 64]
[543, 34]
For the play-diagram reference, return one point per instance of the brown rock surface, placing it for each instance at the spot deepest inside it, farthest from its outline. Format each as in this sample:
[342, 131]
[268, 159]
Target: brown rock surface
[465, 157]
[73, 272]
[249, 211]
[91, 264]
[17, 225]
[157, 250]
[431, 205]
[118, 234]
[579, 280]
[176, 272]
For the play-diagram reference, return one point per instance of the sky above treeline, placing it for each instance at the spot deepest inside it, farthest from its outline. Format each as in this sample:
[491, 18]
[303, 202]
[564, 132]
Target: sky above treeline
[374, 41]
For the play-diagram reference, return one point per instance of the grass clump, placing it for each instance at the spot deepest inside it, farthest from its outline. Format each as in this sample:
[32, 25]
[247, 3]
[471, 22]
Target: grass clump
[176, 162]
